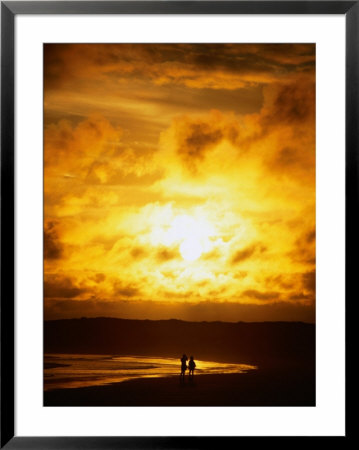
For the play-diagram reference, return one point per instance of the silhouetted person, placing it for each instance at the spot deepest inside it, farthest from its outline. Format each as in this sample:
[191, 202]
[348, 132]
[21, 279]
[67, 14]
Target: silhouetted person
[191, 367]
[184, 360]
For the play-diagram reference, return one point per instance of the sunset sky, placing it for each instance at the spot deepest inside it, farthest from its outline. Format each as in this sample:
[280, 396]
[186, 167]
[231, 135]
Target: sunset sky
[179, 181]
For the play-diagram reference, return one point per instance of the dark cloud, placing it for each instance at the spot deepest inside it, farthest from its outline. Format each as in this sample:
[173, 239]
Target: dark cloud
[217, 292]
[310, 236]
[200, 137]
[304, 251]
[287, 156]
[290, 103]
[99, 277]
[126, 292]
[65, 64]
[194, 140]
[308, 281]
[242, 255]
[165, 255]
[53, 248]
[288, 107]
[213, 254]
[259, 295]
[122, 289]
[300, 297]
[58, 286]
[286, 282]
[138, 253]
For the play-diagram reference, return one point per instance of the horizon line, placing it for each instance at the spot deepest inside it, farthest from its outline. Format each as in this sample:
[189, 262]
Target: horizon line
[180, 320]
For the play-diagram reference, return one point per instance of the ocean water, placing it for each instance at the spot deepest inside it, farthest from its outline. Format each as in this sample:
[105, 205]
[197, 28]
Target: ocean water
[73, 371]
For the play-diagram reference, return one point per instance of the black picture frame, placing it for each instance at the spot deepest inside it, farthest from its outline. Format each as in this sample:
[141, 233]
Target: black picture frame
[9, 10]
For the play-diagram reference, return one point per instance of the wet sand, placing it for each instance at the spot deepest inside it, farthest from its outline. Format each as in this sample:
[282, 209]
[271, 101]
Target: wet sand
[264, 387]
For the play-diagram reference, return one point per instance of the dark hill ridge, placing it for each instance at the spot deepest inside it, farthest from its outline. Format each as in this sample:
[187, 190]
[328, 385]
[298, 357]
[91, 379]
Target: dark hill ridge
[263, 343]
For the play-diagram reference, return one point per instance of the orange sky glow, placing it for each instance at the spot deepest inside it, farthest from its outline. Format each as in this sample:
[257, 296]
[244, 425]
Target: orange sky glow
[179, 181]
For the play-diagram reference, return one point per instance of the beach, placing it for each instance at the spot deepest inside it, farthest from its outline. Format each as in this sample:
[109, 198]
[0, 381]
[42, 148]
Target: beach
[276, 386]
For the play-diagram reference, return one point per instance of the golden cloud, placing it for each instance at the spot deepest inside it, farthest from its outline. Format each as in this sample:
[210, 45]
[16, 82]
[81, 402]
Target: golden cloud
[207, 205]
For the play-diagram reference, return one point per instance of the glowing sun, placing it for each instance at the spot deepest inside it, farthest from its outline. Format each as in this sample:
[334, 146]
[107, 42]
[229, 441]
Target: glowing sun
[191, 249]
[191, 234]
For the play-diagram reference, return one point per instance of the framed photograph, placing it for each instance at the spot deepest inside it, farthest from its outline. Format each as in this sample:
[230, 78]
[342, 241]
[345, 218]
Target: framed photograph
[179, 194]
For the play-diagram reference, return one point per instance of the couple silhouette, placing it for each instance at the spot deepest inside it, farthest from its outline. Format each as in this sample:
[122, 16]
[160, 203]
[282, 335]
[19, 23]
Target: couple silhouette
[191, 366]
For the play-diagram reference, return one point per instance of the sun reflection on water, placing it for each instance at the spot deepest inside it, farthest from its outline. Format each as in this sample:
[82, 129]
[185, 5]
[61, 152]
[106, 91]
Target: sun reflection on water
[73, 371]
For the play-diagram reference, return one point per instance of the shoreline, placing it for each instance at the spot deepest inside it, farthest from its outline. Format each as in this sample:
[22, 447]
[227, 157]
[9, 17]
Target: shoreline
[263, 387]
